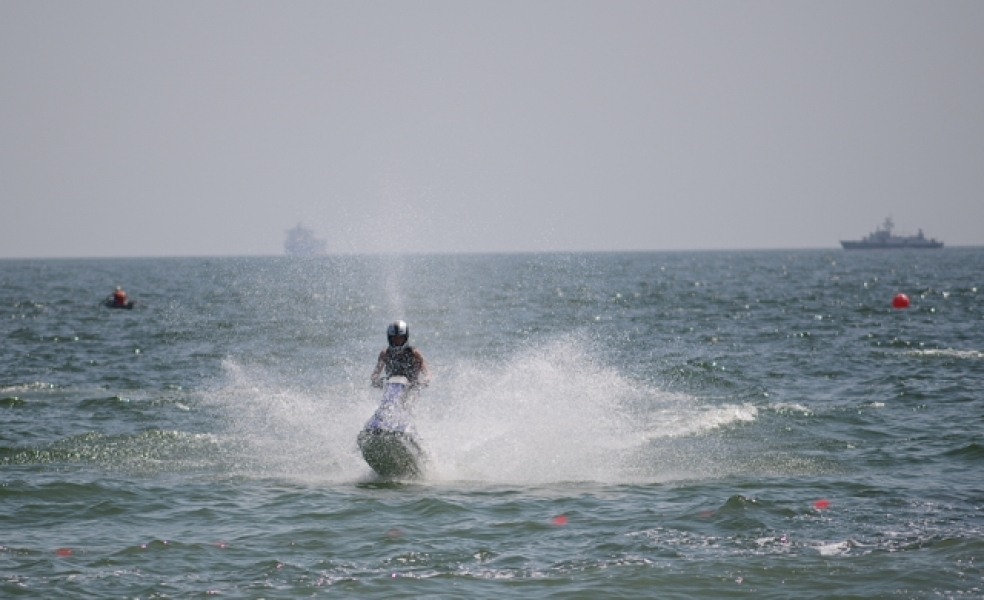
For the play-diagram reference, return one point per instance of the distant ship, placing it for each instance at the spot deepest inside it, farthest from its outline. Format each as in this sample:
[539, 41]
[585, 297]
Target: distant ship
[301, 242]
[882, 238]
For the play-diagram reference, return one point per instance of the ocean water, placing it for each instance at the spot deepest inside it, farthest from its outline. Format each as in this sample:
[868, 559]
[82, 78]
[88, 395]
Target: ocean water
[673, 425]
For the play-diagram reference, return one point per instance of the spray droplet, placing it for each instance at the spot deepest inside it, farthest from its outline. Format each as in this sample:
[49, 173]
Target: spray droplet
[559, 520]
[821, 504]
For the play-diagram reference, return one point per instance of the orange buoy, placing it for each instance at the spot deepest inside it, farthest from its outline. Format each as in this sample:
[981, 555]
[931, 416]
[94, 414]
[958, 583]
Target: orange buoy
[900, 301]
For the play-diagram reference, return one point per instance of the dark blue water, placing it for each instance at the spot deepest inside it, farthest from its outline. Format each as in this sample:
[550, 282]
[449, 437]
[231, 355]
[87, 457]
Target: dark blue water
[722, 424]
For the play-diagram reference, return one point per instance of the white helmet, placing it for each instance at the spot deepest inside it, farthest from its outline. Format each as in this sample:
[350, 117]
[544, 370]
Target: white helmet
[398, 328]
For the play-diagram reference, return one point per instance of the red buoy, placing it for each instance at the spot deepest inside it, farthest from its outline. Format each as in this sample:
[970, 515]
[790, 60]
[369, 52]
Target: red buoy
[900, 301]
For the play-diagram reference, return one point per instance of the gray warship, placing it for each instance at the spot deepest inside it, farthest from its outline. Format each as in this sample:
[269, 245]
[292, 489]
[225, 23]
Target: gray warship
[301, 242]
[882, 239]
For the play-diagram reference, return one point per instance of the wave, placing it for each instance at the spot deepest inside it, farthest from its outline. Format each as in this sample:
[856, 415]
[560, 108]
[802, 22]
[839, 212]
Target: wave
[973, 452]
[147, 451]
[27, 387]
[784, 408]
[949, 353]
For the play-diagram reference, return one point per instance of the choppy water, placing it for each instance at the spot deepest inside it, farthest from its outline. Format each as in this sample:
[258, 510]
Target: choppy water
[740, 424]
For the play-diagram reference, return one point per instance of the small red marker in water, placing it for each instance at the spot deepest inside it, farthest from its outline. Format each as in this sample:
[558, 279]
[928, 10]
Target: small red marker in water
[821, 504]
[559, 520]
[394, 533]
[900, 301]
[63, 552]
[706, 514]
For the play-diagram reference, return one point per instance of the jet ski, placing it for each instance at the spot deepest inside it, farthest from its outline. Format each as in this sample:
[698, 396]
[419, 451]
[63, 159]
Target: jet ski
[118, 299]
[109, 303]
[389, 440]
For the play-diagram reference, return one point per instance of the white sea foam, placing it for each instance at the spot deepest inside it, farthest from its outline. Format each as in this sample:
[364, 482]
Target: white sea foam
[948, 352]
[834, 548]
[25, 387]
[548, 414]
[788, 407]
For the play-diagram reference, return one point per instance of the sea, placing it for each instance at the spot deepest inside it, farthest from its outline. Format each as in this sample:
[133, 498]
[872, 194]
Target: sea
[746, 424]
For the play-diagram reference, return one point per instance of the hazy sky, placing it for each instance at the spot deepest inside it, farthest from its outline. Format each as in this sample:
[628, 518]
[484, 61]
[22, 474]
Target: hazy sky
[209, 128]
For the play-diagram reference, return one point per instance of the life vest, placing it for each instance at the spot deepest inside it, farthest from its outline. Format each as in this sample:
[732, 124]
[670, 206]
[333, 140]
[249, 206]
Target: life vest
[119, 298]
[402, 363]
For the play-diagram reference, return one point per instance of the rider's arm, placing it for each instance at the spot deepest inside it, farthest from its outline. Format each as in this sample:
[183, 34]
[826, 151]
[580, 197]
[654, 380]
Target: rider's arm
[375, 378]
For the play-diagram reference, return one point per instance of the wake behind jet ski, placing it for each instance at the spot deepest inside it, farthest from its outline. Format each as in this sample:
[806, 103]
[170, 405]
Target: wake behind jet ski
[389, 441]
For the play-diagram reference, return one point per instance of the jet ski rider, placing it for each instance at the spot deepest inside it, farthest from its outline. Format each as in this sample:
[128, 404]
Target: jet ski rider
[400, 359]
[118, 299]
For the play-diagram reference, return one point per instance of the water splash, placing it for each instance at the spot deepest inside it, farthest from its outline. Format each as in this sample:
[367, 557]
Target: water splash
[280, 430]
[550, 413]
[556, 413]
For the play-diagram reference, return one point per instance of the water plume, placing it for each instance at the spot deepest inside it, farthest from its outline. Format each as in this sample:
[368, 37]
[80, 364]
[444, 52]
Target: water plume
[550, 413]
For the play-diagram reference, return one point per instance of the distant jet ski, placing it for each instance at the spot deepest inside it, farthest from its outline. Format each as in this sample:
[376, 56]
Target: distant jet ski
[389, 440]
[118, 299]
[110, 303]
